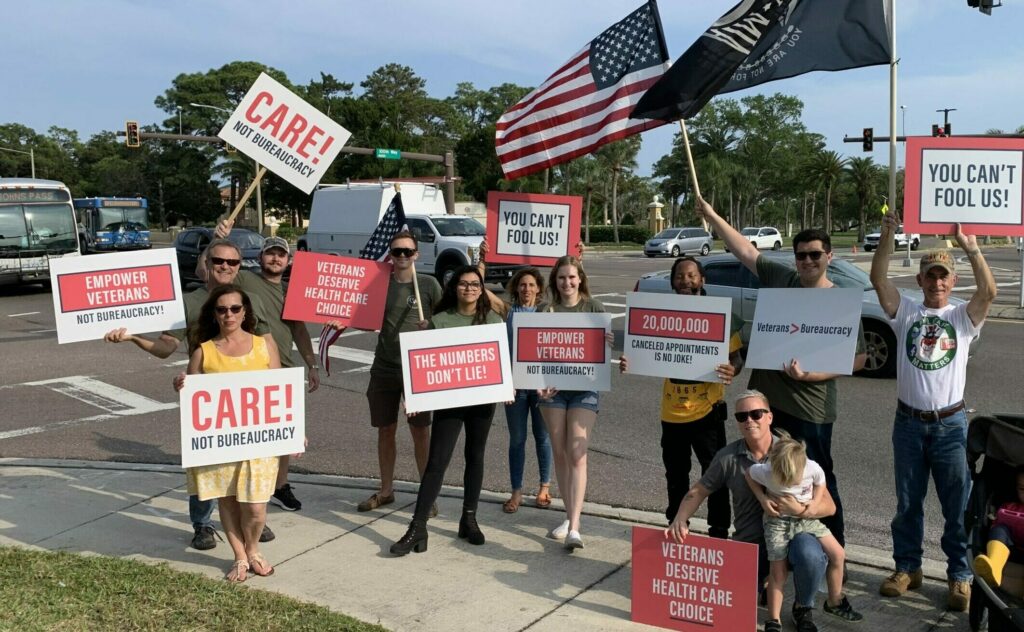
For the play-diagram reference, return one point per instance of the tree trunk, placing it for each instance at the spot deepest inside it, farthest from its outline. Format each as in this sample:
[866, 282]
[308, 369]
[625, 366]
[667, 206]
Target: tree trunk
[814, 205]
[615, 205]
[586, 214]
[604, 206]
[828, 208]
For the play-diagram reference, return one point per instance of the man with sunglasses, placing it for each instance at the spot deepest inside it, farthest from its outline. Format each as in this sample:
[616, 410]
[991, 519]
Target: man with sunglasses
[754, 421]
[804, 403]
[929, 434]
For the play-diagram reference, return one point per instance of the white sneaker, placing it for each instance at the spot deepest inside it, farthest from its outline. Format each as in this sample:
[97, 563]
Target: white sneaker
[573, 541]
[559, 532]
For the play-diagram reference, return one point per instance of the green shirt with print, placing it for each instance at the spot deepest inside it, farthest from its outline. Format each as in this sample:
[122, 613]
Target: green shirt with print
[400, 314]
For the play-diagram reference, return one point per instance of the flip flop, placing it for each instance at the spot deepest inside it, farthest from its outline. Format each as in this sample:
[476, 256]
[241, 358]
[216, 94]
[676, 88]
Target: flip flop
[543, 497]
[511, 505]
[259, 566]
[239, 572]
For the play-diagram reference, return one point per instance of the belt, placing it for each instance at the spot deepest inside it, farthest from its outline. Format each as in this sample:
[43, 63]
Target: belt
[930, 415]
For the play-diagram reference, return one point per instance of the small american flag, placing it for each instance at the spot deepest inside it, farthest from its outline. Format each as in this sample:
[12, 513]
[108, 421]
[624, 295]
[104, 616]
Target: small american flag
[378, 248]
[586, 103]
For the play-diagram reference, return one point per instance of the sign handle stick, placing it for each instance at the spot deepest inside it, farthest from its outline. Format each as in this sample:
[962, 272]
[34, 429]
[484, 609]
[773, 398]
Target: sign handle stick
[248, 192]
[689, 162]
[416, 289]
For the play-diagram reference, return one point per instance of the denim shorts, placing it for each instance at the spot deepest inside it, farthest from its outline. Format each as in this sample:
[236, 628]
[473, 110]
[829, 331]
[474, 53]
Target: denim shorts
[779, 531]
[567, 400]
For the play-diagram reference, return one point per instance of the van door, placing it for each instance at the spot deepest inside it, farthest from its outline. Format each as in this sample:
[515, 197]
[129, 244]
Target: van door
[427, 240]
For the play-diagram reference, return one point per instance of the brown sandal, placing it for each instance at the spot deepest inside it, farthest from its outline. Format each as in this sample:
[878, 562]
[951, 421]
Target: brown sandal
[511, 505]
[239, 572]
[259, 566]
[544, 496]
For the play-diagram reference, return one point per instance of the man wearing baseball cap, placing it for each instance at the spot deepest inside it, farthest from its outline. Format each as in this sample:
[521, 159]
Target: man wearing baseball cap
[929, 434]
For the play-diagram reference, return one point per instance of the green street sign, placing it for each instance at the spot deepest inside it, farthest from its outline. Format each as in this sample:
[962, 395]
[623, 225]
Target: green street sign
[387, 154]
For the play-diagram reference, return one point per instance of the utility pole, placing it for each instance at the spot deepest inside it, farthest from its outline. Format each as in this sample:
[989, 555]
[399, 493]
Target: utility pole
[945, 115]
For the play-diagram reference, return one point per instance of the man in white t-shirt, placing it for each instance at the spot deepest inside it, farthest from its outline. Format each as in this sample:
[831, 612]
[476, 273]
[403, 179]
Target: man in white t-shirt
[929, 435]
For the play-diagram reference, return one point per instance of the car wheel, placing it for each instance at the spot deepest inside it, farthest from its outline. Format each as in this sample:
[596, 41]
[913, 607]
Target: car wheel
[867, 248]
[445, 274]
[651, 255]
[705, 250]
[777, 245]
[914, 244]
[880, 343]
[675, 251]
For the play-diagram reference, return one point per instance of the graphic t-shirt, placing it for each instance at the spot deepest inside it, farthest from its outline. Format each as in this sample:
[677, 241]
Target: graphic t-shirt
[400, 314]
[683, 401]
[802, 491]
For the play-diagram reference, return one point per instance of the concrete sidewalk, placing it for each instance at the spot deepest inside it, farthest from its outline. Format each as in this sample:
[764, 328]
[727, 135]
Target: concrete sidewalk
[330, 554]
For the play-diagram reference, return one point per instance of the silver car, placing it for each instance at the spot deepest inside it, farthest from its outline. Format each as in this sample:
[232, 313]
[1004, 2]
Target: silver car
[674, 242]
[726, 276]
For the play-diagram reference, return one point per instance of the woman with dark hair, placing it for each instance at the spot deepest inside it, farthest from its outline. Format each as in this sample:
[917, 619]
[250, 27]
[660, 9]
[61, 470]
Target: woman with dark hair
[462, 304]
[223, 342]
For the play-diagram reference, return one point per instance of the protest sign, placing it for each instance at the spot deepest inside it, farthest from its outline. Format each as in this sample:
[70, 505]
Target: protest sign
[326, 287]
[138, 290]
[677, 336]
[459, 366]
[817, 327]
[564, 351]
[280, 131]
[532, 229]
[974, 181]
[228, 417]
[702, 584]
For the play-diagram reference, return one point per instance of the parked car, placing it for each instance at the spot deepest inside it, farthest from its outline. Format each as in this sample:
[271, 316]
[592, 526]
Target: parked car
[871, 241]
[726, 276]
[679, 241]
[763, 238]
[192, 241]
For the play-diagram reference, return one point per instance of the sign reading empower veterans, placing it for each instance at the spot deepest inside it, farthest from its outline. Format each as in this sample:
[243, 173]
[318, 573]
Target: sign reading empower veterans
[974, 181]
[138, 290]
[228, 417]
[532, 229]
[326, 287]
[701, 584]
[677, 336]
[561, 350]
[817, 327]
[459, 366]
[280, 131]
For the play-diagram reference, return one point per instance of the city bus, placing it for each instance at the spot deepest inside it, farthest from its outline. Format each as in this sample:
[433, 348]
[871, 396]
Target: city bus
[37, 223]
[110, 224]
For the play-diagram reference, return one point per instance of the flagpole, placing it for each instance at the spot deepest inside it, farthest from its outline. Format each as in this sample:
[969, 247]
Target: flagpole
[415, 281]
[689, 162]
[893, 62]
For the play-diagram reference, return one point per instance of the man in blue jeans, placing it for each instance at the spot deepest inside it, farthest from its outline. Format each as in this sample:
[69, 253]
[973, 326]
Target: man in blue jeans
[754, 419]
[929, 435]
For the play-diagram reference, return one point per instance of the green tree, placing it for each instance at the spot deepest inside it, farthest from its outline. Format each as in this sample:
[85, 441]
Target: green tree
[617, 158]
[865, 176]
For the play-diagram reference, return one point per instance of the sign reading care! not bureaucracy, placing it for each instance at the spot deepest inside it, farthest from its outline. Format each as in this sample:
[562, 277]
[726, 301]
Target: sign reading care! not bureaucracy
[560, 350]
[677, 336]
[280, 131]
[137, 290]
[532, 229]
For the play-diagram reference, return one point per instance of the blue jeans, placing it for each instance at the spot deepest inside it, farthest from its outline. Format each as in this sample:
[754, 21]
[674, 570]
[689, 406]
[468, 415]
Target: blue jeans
[807, 560]
[938, 448]
[524, 409]
[200, 512]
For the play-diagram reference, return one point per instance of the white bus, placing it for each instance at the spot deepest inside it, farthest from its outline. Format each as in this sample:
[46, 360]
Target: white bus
[37, 223]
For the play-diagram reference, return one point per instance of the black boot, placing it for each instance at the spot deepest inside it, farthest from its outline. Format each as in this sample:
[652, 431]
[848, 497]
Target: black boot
[469, 529]
[415, 539]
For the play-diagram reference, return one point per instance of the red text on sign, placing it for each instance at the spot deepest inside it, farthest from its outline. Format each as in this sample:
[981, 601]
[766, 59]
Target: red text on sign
[679, 324]
[116, 288]
[240, 408]
[581, 345]
[454, 367]
[285, 126]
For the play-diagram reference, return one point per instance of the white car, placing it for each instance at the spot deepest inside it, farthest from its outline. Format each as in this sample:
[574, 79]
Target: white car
[763, 238]
[871, 241]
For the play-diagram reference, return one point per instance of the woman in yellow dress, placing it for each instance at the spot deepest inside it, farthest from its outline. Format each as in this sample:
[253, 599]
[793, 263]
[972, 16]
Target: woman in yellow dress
[223, 342]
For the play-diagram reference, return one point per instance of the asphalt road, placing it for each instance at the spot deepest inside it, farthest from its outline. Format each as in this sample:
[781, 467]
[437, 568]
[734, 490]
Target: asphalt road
[101, 401]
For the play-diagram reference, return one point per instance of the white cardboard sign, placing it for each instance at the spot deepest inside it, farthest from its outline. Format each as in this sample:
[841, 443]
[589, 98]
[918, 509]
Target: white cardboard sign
[138, 290]
[677, 336]
[567, 351]
[228, 417]
[280, 131]
[817, 327]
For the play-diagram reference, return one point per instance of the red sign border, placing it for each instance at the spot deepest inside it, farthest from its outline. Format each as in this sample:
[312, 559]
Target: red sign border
[170, 274]
[483, 343]
[494, 199]
[294, 310]
[604, 347]
[725, 334]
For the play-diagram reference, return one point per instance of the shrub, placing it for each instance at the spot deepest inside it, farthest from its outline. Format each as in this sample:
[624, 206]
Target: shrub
[635, 234]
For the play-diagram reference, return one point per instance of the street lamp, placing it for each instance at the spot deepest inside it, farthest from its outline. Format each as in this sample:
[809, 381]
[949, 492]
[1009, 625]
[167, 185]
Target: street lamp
[903, 108]
[179, 120]
[31, 153]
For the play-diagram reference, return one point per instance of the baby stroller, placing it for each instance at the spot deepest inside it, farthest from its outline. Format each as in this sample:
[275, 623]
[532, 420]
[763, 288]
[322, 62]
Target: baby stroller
[1000, 439]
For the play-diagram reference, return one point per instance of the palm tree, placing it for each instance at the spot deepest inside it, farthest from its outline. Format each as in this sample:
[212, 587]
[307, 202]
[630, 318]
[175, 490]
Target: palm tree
[618, 157]
[827, 168]
[863, 174]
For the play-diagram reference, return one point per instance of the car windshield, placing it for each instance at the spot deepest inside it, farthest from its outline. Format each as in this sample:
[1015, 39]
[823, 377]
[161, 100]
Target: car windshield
[668, 233]
[844, 274]
[749, 231]
[246, 239]
[459, 227]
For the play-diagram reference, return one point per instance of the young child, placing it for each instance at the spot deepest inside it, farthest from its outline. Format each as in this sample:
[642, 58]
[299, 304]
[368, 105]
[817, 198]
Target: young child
[1007, 530]
[789, 472]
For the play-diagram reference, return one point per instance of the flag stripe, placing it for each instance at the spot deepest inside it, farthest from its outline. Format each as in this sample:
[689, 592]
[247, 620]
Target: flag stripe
[568, 71]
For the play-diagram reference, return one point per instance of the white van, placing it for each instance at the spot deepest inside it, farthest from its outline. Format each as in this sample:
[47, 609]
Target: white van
[345, 215]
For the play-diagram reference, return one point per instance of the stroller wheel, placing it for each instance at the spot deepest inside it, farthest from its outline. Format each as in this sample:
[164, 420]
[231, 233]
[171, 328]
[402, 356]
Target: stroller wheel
[977, 611]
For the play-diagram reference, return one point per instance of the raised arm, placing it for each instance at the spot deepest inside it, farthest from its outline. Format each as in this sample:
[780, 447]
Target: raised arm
[221, 232]
[497, 304]
[981, 301]
[745, 251]
[888, 295]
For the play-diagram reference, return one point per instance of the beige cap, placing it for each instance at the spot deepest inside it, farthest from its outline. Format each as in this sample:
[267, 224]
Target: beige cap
[938, 258]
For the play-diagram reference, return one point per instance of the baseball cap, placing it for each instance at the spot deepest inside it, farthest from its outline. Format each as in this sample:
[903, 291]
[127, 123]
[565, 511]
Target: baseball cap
[275, 242]
[938, 258]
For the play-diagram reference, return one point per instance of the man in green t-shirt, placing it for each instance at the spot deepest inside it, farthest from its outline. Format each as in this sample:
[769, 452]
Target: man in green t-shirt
[803, 403]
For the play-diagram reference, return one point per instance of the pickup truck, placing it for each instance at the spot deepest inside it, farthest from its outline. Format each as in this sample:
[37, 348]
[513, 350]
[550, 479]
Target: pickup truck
[871, 241]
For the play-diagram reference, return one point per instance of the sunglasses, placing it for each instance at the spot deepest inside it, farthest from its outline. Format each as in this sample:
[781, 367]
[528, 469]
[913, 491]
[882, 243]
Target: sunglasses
[218, 261]
[755, 414]
[813, 254]
[403, 252]
[223, 309]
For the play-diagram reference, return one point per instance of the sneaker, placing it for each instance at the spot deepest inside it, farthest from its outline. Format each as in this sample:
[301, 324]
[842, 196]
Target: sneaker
[959, 595]
[267, 535]
[803, 617]
[573, 541]
[900, 582]
[376, 500]
[844, 610]
[559, 532]
[205, 538]
[772, 625]
[285, 499]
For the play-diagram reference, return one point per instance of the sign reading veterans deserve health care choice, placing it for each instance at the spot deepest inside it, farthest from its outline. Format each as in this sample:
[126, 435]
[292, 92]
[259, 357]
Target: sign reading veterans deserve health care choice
[566, 351]
[458, 366]
[280, 131]
[532, 229]
[326, 287]
[228, 417]
[677, 336]
[817, 327]
[974, 181]
[700, 584]
[138, 290]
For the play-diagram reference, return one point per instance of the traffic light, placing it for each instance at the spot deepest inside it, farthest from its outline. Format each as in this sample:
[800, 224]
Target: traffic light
[869, 139]
[948, 131]
[131, 134]
[936, 130]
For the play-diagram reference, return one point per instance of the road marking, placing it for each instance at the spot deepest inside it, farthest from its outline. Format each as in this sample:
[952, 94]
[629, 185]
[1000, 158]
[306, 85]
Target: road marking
[613, 304]
[971, 288]
[54, 426]
[42, 331]
[24, 314]
[104, 396]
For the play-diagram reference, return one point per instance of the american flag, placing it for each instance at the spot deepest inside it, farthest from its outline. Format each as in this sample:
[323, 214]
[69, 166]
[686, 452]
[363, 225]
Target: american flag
[586, 102]
[378, 248]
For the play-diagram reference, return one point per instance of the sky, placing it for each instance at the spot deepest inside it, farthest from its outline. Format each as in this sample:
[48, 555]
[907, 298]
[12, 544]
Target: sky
[89, 66]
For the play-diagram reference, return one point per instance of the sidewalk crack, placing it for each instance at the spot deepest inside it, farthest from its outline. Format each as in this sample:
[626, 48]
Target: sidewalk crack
[566, 602]
[108, 514]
